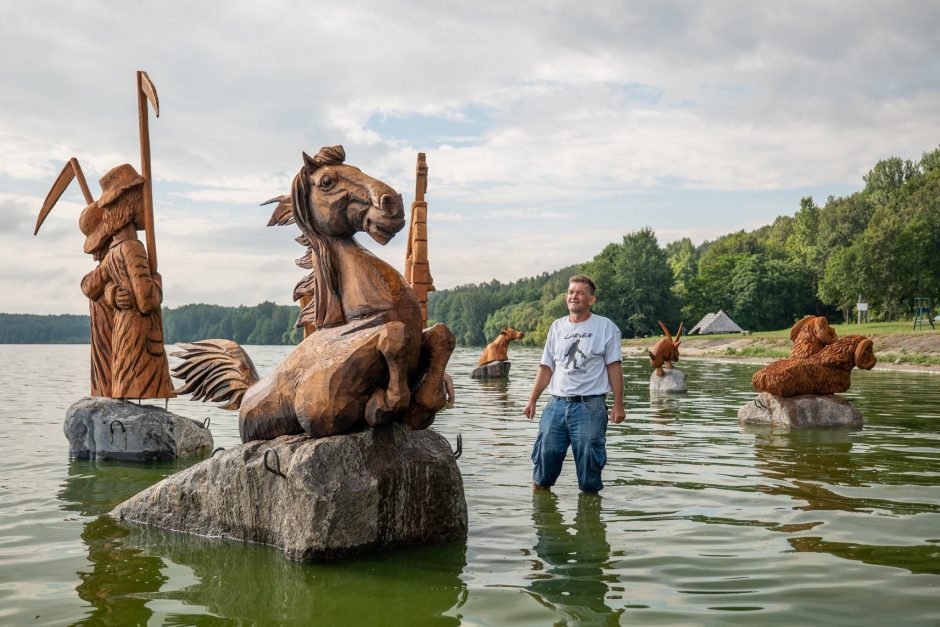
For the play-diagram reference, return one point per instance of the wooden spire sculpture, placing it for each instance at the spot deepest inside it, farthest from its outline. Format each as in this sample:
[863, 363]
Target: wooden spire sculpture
[417, 268]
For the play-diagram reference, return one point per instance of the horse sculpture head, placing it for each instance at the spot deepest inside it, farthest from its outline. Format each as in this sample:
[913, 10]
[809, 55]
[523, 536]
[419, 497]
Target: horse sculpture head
[335, 199]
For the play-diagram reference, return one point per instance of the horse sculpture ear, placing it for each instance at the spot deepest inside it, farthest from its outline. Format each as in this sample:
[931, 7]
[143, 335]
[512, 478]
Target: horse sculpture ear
[309, 162]
[650, 353]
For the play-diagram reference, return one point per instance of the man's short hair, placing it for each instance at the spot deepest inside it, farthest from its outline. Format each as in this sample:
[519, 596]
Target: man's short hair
[583, 278]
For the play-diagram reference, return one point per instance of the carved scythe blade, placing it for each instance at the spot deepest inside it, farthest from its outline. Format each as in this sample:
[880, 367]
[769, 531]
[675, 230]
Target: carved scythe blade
[70, 171]
[146, 91]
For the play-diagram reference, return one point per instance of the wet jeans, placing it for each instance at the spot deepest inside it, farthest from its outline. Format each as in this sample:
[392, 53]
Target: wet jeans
[580, 424]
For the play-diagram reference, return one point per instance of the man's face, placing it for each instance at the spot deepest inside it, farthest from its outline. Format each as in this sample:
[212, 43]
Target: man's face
[579, 298]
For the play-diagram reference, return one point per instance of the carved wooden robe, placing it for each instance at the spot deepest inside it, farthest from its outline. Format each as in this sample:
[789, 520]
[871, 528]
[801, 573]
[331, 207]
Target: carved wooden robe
[139, 367]
[102, 325]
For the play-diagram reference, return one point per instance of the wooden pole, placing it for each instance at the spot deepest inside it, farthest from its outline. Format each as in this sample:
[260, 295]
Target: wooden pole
[145, 91]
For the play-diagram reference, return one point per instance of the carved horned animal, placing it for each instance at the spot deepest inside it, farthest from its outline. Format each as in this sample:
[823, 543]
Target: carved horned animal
[498, 349]
[826, 372]
[810, 335]
[665, 351]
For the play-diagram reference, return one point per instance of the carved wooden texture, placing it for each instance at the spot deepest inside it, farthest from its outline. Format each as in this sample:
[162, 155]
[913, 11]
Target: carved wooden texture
[810, 335]
[666, 350]
[365, 361]
[498, 349]
[417, 265]
[826, 372]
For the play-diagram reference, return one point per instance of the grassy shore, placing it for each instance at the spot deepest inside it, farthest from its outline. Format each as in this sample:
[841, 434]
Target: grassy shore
[896, 343]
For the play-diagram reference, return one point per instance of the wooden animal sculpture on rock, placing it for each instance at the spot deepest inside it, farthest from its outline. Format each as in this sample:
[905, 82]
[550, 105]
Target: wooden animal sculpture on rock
[498, 349]
[666, 350]
[810, 335]
[365, 360]
[826, 372]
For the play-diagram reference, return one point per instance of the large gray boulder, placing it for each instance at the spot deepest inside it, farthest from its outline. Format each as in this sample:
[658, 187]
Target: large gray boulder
[796, 412]
[672, 382]
[109, 428]
[316, 499]
[492, 370]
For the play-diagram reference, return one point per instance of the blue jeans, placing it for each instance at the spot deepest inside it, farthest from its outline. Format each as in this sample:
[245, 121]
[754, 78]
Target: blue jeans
[582, 425]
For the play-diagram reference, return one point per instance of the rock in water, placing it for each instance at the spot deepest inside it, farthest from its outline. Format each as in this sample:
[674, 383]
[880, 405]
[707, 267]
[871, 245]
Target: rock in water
[796, 412]
[316, 499]
[109, 428]
[672, 381]
[492, 370]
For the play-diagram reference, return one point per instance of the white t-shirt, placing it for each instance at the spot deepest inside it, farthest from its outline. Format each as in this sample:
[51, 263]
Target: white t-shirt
[578, 354]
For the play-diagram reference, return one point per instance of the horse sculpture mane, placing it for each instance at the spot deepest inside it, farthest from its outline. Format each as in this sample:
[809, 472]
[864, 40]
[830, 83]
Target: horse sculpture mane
[365, 359]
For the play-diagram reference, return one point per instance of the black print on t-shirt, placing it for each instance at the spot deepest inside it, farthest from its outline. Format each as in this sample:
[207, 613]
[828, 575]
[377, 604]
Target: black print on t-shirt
[571, 363]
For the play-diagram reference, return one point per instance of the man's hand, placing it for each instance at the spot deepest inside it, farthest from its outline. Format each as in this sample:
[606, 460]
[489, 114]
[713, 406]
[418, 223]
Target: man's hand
[617, 414]
[529, 410]
[123, 299]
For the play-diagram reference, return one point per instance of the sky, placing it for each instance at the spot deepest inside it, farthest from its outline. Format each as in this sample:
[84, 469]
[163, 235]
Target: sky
[551, 128]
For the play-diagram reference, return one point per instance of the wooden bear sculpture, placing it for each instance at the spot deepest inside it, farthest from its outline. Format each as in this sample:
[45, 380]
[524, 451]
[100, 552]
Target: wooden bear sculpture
[665, 351]
[825, 372]
[810, 335]
[498, 349]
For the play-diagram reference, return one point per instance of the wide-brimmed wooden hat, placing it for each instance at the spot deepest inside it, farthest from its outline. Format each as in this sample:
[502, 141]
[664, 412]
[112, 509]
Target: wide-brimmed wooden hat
[91, 222]
[117, 181]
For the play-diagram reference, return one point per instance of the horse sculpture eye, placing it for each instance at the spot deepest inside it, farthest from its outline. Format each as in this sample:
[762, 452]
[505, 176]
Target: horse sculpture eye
[326, 182]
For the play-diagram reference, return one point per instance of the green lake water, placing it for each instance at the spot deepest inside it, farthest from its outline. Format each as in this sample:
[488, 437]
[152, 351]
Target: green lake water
[701, 522]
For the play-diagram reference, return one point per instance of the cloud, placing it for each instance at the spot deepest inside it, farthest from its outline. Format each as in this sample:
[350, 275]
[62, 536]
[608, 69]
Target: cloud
[571, 126]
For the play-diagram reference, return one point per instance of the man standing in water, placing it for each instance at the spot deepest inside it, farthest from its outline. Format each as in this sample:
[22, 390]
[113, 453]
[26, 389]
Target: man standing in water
[577, 414]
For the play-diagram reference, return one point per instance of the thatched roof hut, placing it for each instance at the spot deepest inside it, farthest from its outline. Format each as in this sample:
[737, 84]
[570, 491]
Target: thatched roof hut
[715, 323]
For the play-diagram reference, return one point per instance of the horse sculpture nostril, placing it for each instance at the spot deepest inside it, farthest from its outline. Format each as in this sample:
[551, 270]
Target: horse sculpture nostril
[391, 205]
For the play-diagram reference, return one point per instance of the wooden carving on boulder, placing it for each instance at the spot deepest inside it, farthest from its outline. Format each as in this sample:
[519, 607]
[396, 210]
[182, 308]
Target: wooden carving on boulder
[827, 371]
[128, 359]
[365, 359]
[498, 349]
[666, 350]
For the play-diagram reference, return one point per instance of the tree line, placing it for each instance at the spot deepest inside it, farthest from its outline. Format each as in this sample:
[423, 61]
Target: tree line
[880, 244]
[265, 323]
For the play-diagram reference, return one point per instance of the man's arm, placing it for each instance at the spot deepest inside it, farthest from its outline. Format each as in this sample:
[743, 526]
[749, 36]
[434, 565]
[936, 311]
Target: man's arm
[542, 379]
[615, 376]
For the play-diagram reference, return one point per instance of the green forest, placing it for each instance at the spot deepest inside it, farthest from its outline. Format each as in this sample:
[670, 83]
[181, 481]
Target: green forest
[266, 323]
[881, 243]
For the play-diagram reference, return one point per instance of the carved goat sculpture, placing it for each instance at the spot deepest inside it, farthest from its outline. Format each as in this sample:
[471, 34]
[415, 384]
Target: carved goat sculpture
[810, 335]
[666, 350]
[498, 349]
[825, 372]
[365, 359]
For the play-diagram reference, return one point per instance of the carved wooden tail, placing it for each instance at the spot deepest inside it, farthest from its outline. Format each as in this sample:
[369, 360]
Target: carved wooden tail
[215, 370]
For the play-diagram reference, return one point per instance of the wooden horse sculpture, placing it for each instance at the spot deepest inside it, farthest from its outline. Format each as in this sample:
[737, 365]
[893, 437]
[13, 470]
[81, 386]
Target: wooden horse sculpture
[665, 351]
[365, 360]
[498, 349]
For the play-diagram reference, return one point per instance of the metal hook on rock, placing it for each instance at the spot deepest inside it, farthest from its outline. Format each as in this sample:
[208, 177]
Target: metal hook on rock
[277, 464]
[206, 422]
[221, 448]
[111, 429]
[457, 453]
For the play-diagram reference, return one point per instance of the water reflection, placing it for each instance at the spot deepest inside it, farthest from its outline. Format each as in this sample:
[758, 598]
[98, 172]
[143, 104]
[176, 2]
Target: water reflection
[257, 584]
[571, 577]
[495, 391]
[121, 578]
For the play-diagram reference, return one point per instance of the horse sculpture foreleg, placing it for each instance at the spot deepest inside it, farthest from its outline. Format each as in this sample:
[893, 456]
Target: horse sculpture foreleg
[437, 344]
[395, 344]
